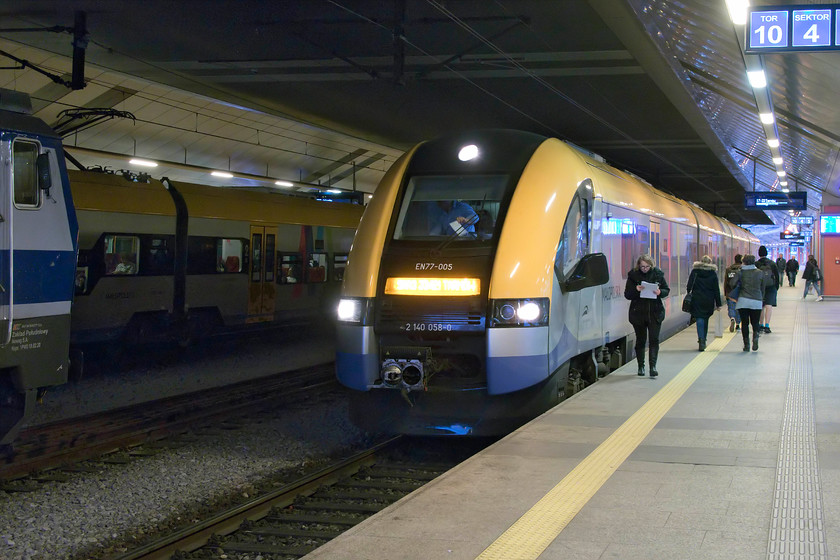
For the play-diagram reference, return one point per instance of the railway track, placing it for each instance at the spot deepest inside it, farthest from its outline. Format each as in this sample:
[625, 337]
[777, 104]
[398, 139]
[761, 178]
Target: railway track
[42, 452]
[303, 515]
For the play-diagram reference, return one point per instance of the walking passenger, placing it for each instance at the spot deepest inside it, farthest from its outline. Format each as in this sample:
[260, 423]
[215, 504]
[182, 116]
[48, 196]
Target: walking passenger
[729, 280]
[813, 277]
[791, 268]
[646, 309]
[771, 288]
[780, 266]
[704, 286]
[749, 292]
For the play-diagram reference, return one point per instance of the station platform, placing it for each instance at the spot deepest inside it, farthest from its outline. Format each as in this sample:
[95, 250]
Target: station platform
[728, 454]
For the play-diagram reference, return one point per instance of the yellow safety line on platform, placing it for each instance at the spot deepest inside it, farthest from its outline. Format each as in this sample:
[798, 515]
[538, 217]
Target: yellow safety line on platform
[534, 531]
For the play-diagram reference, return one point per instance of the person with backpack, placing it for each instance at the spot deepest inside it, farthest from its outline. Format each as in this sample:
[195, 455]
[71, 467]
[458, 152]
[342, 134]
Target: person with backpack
[704, 286]
[791, 268]
[730, 277]
[749, 292]
[813, 277]
[768, 267]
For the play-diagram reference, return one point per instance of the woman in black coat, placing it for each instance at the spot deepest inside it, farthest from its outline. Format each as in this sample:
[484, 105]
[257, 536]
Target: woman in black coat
[704, 286]
[646, 313]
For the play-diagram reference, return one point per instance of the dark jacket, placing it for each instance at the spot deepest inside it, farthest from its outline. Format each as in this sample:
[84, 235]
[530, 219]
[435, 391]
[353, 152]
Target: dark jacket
[812, 271]
[780, 265]
[705, 290]
[643, 310]
[752, 283]
[730, 277]
[764, 261]
[792, 265]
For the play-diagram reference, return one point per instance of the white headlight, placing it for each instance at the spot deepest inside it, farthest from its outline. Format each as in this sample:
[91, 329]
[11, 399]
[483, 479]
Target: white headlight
[528, 312]
[350, 310]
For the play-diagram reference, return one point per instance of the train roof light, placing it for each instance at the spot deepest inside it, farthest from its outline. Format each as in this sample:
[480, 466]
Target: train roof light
[468, 153]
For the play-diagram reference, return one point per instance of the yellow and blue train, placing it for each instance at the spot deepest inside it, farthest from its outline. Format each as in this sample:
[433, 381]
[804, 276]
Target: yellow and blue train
[38, 231]
[486, 280]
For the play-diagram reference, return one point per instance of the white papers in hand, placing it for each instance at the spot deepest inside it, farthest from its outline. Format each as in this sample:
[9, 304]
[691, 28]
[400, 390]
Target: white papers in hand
[648, 290]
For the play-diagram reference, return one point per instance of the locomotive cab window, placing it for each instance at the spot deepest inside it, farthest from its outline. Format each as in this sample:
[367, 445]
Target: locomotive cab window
[460, 207]
[574, 241]
[121, 254]
[25, 174]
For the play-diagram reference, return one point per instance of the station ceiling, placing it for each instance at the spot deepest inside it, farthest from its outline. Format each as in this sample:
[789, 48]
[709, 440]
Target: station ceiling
[332, 91]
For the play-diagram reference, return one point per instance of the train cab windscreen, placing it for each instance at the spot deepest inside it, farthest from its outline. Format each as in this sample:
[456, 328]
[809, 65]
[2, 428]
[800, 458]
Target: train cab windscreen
[463, 208]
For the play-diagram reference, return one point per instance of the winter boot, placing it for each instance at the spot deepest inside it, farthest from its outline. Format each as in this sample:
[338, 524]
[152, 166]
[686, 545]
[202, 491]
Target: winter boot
[755, 342]
[640, 359]
[654, 353]
[746, 341]
[702, 344]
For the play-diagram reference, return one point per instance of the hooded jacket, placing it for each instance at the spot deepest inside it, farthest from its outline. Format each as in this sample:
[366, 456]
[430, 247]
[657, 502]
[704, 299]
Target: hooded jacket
[643, 310]
[705, 288]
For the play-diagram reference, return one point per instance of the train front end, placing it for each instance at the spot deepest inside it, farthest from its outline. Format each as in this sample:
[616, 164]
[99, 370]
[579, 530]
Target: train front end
[421, 337]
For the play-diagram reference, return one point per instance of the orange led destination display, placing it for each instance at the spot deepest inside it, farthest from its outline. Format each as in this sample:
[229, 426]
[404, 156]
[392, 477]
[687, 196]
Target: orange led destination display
[433, 286]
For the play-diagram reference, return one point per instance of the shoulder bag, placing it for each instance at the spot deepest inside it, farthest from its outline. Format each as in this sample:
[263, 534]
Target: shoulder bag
[686, 305]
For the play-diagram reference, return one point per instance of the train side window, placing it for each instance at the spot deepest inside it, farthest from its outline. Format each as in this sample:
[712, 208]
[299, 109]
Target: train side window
[339, 264]
[121, 255]
[229, 255]
[316, 268]
[25, 174]
[291, 269]
[158, 255]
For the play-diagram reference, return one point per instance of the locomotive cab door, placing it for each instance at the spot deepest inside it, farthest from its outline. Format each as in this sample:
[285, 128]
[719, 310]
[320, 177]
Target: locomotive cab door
[261, 280]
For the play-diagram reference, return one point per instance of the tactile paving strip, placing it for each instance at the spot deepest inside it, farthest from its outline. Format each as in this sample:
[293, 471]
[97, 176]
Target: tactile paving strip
[796, 528]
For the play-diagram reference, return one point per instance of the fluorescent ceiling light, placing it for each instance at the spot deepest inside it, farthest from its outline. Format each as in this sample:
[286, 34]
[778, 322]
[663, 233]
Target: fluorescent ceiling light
[738, 11]
[143, 162]
[757, 78]
[783, 183]
[333, 191]
[778, 160]
[766, 118]
[781, 173]
[773, 142]
[224, 174]
[284, 184]
[785, 190]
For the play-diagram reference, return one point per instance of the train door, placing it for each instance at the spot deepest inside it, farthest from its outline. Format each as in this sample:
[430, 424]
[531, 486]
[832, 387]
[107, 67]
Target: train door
[653, 249]
[262, 289]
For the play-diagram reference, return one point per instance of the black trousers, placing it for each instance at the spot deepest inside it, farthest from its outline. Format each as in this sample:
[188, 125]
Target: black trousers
[647, 331]
[749, 317]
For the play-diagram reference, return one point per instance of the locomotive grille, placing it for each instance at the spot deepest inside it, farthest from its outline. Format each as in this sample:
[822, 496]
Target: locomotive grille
[461, 314]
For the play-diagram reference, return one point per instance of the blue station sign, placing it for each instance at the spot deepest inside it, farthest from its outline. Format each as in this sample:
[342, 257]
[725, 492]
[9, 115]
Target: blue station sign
[809, 27]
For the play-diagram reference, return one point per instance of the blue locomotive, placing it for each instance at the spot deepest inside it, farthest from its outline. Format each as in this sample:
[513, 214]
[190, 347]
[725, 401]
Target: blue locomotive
[38, 236]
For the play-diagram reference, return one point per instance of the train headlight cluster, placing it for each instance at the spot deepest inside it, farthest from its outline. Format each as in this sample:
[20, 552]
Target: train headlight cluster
[531, 312]
[355, 310]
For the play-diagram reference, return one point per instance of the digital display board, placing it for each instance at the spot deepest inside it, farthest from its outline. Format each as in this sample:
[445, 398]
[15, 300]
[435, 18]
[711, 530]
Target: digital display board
[776, 200]
[797, 243]
[802, 220]
[830, 225]
[793, 236]
[808, 27]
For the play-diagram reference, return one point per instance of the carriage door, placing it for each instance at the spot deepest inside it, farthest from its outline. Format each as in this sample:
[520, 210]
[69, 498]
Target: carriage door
[653, 250]
[261, 286]
[5, 244]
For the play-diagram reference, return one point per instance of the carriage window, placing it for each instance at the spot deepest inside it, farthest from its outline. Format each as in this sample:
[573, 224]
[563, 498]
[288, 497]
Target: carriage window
[339, 264]
[291, 269]
[229, 255]
[158, 255]
[316, 268]
[25, 174]
[121, 254]
[574, 241]
[464, 208]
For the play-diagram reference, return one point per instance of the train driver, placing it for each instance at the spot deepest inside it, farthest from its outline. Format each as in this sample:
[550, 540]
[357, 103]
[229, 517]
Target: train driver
[453, 216]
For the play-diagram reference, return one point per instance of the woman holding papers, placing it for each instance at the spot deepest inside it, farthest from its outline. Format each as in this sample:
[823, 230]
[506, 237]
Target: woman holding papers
[645, 288]
[704, 286]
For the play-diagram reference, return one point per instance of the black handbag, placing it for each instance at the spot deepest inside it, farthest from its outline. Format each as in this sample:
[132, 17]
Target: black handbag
[686, 307]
